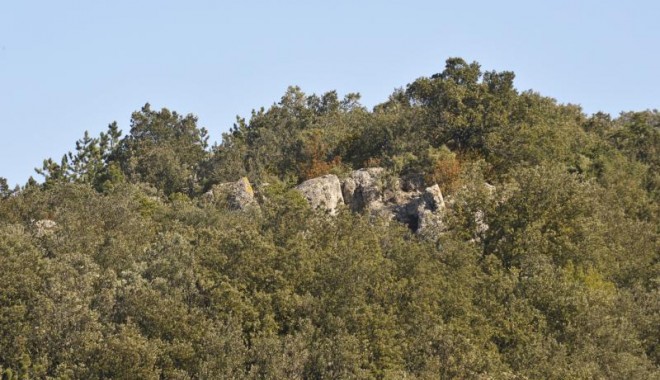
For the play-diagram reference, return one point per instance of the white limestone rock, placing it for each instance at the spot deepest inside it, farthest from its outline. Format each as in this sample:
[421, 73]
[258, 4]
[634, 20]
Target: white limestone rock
[323, 192]
[363, 189]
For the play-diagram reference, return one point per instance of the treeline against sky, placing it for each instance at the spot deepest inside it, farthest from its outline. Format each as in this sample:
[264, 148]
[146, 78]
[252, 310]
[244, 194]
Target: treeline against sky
[118, 267]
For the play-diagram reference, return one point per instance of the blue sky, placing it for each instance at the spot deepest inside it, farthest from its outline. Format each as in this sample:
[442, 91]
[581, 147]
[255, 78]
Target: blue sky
[70, 66]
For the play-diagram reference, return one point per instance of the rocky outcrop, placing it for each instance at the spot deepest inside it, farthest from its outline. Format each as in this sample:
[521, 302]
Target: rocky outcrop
[323, 193]
[237, 195]
[367, 190]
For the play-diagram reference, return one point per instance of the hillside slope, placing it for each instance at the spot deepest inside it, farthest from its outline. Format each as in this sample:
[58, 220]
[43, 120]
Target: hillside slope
[535, 255]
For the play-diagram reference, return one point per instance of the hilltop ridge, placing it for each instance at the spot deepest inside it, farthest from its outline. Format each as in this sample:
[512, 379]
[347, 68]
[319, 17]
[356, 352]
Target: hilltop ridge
[460, 229]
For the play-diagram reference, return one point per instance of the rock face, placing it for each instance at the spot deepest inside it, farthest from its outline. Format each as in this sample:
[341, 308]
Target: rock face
[432, 215]
[433, 198]
[363, 189]
[238, 195]
[370, 191]
[323, 192]
[423, 212]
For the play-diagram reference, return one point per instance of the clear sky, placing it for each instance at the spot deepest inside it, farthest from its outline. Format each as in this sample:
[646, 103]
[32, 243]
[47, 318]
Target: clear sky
[70, 66]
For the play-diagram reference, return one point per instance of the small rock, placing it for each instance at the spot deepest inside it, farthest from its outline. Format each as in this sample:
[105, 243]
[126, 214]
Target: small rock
[239, 195]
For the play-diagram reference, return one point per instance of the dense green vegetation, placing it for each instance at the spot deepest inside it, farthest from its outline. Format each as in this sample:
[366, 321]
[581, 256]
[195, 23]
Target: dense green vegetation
[117, 267]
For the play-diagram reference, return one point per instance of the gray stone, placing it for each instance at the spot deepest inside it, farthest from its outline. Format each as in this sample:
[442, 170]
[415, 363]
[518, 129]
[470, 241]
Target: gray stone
[363, 189]
[423, 213]
[238, 195]
[431, 224]
[433, 198]
[323, 192]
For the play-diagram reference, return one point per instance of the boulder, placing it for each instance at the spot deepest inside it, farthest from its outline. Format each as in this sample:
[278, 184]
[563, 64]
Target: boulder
[363, 189]
[433, 198]
[422, 212]
[431, 215]
[238, 195]
[323, 192]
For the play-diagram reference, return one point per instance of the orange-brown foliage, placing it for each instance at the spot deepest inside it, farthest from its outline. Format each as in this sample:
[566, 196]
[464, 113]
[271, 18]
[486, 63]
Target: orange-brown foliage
[317, 164]
[446, 173]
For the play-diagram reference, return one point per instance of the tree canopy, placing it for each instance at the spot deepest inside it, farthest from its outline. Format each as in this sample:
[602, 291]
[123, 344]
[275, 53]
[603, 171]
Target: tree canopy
[119, 265]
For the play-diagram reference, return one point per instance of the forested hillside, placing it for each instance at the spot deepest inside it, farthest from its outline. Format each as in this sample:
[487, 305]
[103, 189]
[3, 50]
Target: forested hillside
[125, 263]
